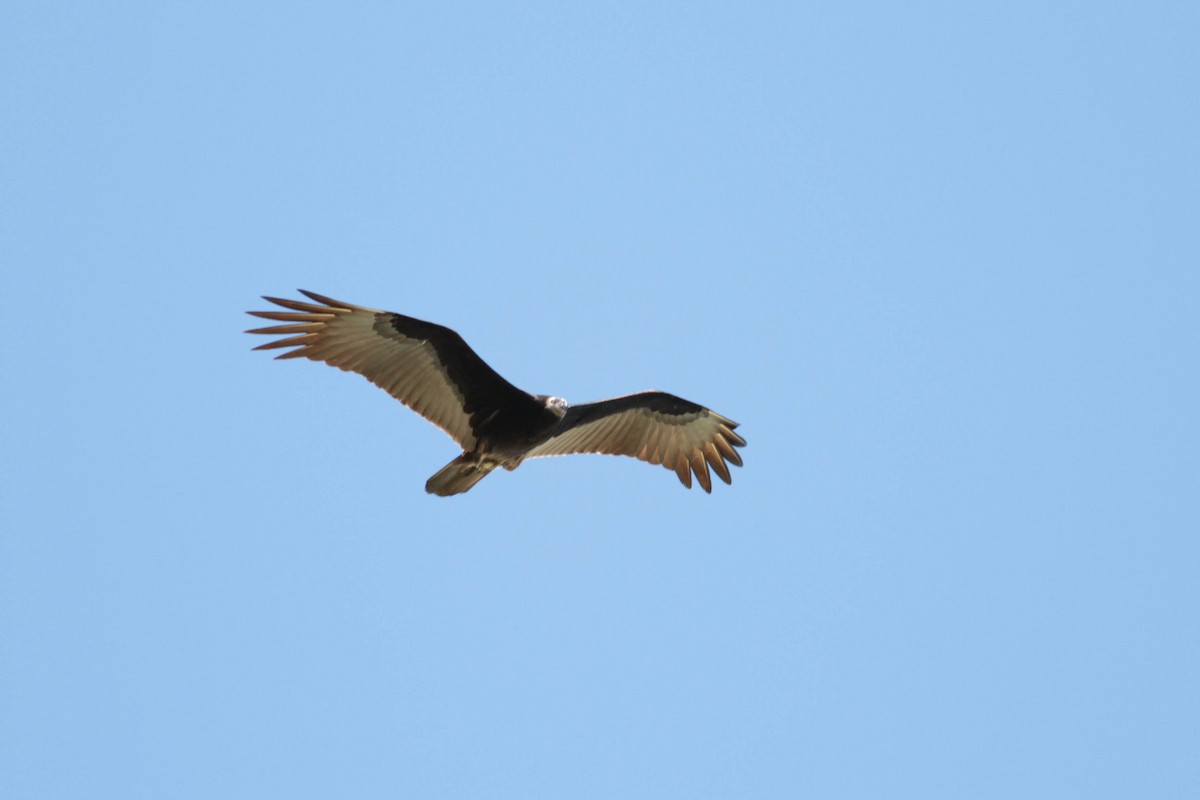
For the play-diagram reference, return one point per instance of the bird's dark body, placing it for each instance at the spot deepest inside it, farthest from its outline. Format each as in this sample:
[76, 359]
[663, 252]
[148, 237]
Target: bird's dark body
[501, 415]
[431, 369]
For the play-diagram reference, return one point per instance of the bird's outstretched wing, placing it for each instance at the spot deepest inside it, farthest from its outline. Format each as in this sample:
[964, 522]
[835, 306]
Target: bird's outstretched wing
[427, 367]
[656, 427]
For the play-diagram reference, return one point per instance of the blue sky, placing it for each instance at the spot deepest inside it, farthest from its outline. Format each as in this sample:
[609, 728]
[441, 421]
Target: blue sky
[939, 260]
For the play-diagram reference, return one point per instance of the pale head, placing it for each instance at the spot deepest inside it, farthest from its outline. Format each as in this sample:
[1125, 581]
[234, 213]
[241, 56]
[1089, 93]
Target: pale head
[555, 404]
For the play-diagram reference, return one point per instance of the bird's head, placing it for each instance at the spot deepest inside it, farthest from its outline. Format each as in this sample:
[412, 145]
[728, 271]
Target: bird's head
[557, 405]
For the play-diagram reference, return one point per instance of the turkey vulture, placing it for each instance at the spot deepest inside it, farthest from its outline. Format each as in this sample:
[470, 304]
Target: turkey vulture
[431, 370]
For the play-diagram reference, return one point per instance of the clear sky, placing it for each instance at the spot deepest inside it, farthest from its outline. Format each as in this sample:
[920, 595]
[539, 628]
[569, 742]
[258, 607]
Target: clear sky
[940, 260]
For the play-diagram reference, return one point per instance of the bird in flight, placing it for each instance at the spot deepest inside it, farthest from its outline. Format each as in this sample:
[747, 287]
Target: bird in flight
[430, 369]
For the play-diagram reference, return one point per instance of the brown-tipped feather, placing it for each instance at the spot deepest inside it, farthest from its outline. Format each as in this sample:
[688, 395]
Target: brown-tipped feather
[296, 305]
[284, 329]
[715, 461]
[336, 304]
[700, 467]
[684, 473]
[292, 342]
[727, 449]
[292, 316]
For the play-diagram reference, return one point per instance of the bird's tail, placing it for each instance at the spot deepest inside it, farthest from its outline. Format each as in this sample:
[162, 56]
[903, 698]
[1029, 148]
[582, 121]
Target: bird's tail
[459, 475]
